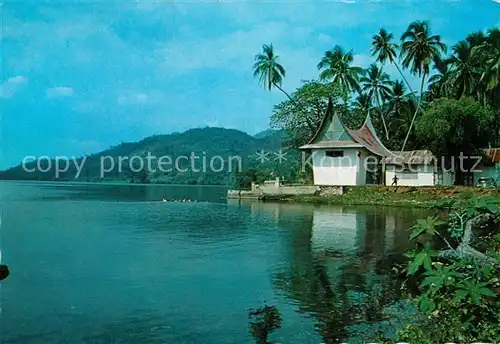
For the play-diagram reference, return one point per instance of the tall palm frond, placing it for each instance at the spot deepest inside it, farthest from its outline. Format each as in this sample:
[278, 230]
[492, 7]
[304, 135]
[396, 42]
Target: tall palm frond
[419, 49]
[384, 50]
[377, 85]
[267, 68]
[335, 66]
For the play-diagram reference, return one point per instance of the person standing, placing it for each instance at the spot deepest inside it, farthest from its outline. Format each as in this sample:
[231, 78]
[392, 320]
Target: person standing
[395, 181]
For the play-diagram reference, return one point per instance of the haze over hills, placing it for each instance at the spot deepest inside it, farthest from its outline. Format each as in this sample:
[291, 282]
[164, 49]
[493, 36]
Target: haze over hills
[196, 156]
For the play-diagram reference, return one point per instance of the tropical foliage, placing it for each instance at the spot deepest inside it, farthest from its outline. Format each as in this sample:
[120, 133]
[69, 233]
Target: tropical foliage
[454, 128]
[377, 85]
[336, 66]
[468, 69]
[457, 288]
[312, 97]
[268, 69]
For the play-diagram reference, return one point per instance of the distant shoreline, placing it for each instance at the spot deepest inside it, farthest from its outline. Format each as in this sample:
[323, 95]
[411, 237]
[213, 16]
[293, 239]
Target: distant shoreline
[67, 182]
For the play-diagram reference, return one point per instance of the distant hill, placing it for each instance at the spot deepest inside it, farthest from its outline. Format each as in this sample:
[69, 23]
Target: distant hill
[270, 133]
[197, 156]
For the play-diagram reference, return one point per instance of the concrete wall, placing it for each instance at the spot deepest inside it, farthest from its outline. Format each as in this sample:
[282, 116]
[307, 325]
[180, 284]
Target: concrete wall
[337, 171]
[274, 188]
[421, 175]
[240, 194]
[361, 174]
[298, 190]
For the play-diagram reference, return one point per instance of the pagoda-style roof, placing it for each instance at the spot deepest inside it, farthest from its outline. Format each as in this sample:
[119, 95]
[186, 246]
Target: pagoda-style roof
[332, 133]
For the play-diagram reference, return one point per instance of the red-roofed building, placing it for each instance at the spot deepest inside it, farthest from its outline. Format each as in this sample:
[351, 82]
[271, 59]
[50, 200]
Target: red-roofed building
[342, 156]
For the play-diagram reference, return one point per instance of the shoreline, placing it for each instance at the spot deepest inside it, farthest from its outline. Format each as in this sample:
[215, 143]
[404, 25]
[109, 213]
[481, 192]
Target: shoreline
[421, 197]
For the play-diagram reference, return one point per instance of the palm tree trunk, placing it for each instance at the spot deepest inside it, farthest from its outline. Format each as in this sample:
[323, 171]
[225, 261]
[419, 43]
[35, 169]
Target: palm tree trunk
[402, 75]
[412, 93]
[308, 122]
[416, 112]
[282, 90]
[383, 119]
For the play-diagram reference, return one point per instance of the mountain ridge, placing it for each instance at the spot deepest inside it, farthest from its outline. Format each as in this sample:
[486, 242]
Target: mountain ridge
[210, 145]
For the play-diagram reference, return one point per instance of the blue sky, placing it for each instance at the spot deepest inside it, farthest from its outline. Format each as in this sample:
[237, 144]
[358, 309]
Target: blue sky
[78, 77]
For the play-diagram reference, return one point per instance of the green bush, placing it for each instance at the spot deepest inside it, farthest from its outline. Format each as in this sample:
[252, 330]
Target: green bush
[458, 296]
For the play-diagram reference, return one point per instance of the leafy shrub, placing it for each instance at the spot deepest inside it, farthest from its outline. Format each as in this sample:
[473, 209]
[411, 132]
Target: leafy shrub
[458, 297]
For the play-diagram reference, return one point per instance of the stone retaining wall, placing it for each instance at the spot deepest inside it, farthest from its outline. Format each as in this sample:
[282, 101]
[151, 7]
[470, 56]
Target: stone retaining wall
[331, 190]
[263, 190]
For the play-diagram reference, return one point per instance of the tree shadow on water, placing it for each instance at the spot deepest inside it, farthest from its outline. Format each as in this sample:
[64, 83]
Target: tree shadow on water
[263, 321]
[336, 303]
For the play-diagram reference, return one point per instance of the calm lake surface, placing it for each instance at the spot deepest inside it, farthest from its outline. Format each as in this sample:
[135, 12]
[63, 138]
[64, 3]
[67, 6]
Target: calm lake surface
[113, 264]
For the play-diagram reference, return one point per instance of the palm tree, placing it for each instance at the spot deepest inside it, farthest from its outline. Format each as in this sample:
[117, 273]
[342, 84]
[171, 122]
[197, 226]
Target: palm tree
[489, 50]
[488, 54]
[398, 98]
[475, 38]
[269, 71]
[463, 73]
[438, 85]
[363, 102]
[401, 105]
[335, 66]
[385, 50]
[418, 50]
[398, 102]
[377, 85]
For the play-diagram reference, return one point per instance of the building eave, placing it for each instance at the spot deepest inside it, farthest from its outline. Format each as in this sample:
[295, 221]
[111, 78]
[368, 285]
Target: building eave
[416, 157]
[331, 145]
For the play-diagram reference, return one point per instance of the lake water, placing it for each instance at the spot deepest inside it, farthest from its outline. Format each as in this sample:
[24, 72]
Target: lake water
[113, 264]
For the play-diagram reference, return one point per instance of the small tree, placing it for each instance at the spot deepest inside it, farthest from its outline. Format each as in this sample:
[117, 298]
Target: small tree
[458, 286]
[451, 128]
[302, 117]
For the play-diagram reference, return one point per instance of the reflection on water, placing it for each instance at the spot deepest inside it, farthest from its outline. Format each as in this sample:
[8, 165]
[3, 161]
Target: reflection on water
[103, 264]
[338, 262]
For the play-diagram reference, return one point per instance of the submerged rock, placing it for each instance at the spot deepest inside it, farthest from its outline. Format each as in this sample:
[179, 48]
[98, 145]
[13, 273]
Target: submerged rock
[4, 272]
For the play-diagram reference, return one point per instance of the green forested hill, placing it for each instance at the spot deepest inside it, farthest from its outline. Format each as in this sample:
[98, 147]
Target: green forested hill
[223, 147]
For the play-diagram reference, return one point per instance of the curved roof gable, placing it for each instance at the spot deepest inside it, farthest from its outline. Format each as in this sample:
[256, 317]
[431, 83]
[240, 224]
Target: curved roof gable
[332, 133]
[331, 128]
[367, 136]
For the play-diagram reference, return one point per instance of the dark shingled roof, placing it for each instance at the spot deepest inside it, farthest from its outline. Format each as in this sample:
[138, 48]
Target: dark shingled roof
[492, 154]
[367, 136]
[416, 157]
[332, 144]
[419, 157]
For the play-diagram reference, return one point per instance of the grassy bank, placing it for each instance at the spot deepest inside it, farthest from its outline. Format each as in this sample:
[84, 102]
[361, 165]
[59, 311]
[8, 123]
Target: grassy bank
[389, 196]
